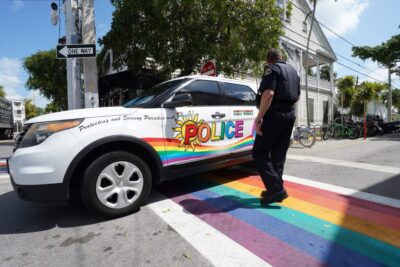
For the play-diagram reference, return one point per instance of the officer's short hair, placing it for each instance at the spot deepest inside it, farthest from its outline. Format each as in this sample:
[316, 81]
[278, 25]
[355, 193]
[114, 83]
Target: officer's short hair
[274, 55]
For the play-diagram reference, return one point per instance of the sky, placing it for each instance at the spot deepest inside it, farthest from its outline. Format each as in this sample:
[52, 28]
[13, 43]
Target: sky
[26, 28]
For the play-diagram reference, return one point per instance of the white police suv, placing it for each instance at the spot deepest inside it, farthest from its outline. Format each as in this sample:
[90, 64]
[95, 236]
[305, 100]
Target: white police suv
[115, 155]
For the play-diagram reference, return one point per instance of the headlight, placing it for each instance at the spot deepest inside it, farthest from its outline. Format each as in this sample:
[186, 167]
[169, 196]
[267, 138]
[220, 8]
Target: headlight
[39, 132]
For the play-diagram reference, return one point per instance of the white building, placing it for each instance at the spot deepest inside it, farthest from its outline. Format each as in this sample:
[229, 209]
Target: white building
[321, 92]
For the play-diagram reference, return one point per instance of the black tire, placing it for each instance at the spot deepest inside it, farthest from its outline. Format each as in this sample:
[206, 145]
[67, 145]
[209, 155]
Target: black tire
[305, 137]
[92, 173]
[328, 134]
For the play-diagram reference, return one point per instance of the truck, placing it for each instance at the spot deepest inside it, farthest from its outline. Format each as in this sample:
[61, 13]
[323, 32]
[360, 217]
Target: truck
[6, 119]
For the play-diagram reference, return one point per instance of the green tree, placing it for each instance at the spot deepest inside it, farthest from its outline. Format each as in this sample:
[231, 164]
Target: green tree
[48, 75]
[179, 35]
[51, 107]
[387, 55]
[395, 98]
[31, 110]
[366, 92]
[325, 73]
[347, 90]
[2, 92]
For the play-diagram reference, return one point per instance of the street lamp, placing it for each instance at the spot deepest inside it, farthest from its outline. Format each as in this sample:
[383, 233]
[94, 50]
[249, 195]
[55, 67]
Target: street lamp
[54, 13]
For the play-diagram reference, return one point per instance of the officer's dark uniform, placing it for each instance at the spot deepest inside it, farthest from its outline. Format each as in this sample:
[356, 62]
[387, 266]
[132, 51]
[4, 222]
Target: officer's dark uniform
[269, 150]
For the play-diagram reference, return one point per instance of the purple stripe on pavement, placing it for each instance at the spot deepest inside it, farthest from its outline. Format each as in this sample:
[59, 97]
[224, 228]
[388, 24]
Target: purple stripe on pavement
[264, 246]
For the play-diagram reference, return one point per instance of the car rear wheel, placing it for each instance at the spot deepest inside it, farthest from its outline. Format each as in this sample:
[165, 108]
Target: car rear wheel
[116, 184]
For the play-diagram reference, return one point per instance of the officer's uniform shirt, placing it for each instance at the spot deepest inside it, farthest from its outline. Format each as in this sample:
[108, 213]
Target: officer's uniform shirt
[284, 81]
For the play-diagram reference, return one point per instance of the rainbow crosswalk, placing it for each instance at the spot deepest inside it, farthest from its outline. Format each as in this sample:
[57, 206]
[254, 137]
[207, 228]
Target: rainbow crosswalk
[313, 227]
[3, 166]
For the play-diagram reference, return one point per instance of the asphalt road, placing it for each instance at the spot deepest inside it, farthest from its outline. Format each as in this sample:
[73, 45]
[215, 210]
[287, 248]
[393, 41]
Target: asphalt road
[39, 235]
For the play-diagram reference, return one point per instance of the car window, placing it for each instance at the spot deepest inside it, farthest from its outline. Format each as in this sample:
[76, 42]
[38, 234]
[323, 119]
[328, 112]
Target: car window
[204, 93]
[149, 95]
[241, 95]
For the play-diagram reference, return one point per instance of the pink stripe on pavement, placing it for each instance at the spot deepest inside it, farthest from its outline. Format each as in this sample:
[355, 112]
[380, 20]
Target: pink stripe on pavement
[266, 247]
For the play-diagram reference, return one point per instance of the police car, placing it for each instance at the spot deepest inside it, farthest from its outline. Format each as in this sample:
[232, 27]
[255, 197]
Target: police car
[114, 155]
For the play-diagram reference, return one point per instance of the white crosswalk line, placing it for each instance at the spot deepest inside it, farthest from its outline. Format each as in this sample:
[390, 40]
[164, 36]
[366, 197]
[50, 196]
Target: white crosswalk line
[345, 191]
[219, 249]
[351, 164]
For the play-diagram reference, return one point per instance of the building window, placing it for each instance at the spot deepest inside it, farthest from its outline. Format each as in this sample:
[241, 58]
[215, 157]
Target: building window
[325, 106]
[311, 109]
[304, 26]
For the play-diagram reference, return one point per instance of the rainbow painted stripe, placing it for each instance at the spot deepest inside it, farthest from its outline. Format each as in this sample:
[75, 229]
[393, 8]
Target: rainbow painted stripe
[3, 166]
[171, 153]
[313, 227]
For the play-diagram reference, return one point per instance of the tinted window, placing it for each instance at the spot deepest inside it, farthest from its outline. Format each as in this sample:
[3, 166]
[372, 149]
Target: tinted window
[240, 95]
[148, 95]
[204, 93]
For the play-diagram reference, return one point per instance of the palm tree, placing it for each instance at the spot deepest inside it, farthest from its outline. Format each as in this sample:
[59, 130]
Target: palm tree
[2, 92]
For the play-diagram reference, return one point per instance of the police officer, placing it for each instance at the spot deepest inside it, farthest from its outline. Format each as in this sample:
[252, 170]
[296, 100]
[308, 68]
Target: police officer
[279, 91]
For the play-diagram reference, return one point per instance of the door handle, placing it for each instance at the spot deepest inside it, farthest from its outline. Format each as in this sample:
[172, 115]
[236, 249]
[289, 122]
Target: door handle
[218, 115]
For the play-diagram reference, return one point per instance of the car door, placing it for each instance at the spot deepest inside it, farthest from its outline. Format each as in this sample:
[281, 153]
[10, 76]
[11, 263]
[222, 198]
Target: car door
[242, 111]
[197, 132]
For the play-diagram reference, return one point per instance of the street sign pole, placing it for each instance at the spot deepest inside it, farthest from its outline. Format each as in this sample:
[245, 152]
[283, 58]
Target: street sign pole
[89, 64]
[73, 87]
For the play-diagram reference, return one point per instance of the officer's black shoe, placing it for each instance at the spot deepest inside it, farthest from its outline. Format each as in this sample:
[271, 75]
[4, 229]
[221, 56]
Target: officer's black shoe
[274, 197]
[265, 193]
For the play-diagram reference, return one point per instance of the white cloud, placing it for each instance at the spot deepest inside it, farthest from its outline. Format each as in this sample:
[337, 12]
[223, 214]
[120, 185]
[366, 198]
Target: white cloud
[17, 4]
[12, 77]
[342, 16]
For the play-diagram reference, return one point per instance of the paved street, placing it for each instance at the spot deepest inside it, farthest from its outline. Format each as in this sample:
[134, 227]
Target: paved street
[343, 210]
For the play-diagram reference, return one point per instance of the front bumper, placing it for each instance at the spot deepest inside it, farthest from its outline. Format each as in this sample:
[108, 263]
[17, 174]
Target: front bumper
[41, 193]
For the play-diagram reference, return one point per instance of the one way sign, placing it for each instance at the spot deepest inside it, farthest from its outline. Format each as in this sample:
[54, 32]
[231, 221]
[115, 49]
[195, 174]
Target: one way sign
[80, 50]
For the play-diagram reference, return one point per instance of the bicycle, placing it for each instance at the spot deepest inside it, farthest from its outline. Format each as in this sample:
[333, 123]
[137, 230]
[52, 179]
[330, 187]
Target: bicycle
[305, 136]
[337, 131]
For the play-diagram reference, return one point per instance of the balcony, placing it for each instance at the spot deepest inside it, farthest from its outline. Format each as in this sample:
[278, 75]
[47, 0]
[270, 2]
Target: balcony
[312, 82]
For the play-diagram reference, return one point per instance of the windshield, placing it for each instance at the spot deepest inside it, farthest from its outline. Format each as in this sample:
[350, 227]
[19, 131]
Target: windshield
[150, 94]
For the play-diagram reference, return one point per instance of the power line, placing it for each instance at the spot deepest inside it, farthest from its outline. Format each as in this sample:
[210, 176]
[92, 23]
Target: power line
[359, 65]
[332, 31]
[366, 75]
[341, 37]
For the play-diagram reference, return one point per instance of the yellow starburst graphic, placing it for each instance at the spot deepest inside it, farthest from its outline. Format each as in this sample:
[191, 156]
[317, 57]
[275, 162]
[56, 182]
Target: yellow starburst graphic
[186, 128]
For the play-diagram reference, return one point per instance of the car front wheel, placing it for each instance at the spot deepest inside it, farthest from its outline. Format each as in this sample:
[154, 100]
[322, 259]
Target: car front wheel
[116, 184]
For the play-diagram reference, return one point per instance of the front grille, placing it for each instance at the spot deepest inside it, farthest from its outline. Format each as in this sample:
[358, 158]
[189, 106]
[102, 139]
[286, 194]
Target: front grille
[21, 135]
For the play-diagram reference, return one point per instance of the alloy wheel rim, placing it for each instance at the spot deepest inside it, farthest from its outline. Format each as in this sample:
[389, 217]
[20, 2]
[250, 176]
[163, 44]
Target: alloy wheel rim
[119, 185]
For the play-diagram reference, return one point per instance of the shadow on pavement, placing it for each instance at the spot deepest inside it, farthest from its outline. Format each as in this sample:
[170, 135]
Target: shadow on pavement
[388, 188]
[18, 216]
[386, 137]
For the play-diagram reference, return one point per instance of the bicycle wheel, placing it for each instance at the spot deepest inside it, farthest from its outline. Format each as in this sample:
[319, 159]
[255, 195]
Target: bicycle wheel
[328, 133]
[307, 138]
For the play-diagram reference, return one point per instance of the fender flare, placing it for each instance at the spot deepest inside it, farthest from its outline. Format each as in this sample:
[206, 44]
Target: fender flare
[103, 141]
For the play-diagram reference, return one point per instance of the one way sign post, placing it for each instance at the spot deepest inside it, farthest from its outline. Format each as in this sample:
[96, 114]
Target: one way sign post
[76, 51]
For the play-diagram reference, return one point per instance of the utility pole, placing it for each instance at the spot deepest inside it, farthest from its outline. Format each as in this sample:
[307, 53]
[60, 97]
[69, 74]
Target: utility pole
[307, 51]
[389, 115]
[89, 64]
[74, 89]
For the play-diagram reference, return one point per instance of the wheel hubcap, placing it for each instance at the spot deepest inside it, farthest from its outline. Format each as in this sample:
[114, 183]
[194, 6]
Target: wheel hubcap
[119, 184]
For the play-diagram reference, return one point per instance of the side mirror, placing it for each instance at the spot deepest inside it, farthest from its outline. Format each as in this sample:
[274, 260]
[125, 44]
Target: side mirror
[179, 100]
